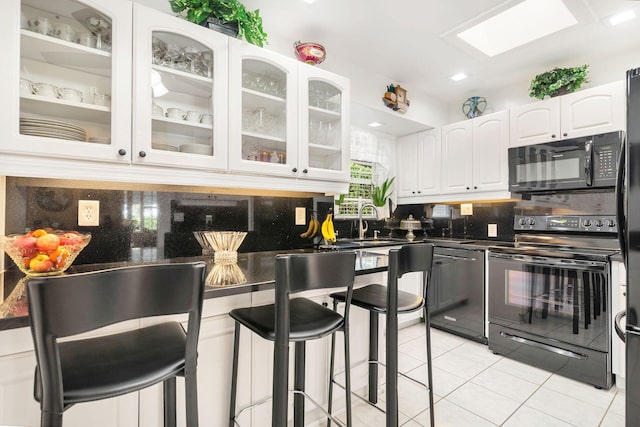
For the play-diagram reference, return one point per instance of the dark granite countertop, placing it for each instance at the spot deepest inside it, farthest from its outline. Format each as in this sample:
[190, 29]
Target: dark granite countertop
[254, 272]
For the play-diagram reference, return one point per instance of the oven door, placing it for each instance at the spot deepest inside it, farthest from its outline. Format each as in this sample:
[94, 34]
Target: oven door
[558, 299]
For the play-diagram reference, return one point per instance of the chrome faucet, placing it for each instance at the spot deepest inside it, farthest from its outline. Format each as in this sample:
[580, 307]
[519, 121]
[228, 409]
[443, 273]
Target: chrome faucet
[361, 229]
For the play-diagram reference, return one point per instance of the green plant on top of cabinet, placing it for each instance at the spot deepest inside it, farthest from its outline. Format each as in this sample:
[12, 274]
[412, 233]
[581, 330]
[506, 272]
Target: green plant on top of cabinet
[187, 125]
[249, 22]
[274, 103]
[599, 109]
[66, 67]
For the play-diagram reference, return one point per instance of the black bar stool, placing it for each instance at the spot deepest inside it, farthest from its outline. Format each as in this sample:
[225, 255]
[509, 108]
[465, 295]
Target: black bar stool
[380, 299]
[298, 320]
[98, 368]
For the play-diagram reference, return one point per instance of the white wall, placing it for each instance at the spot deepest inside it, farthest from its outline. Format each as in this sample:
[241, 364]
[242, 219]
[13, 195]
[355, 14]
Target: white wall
[602, 70]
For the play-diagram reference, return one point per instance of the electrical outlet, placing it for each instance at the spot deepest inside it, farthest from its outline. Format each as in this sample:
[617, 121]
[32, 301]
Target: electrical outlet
[492, 230]
[89, 213]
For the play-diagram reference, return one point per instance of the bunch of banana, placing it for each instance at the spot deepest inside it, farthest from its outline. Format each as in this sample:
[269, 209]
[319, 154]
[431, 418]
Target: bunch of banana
[312, 230]
[328, 232]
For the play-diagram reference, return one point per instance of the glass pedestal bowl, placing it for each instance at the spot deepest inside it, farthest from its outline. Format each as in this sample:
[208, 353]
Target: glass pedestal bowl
[42, 253]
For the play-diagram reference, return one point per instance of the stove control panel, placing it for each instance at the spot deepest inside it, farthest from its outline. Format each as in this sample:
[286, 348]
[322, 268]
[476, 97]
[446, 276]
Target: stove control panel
[569, 223]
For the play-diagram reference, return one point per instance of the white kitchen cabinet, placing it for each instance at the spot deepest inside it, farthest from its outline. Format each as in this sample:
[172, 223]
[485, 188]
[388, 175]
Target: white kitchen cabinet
[457, 157]
[600, 109]
[19, 408]
[490, 152]
[286, 118]
[57, 124]
[474, 156]
[419, 164]
[188, 125]
[263, 128]
[323, 124]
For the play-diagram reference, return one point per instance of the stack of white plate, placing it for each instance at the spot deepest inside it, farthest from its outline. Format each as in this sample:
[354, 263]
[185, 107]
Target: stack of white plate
[100, 140]
[165, 147]
[196, 149]
[52, 129]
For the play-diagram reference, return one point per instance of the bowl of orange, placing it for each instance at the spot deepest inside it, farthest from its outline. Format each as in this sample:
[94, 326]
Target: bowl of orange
[44, 252]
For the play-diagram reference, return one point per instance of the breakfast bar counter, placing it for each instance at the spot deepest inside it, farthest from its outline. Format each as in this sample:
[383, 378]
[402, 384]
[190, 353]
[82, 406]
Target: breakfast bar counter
[255, 271]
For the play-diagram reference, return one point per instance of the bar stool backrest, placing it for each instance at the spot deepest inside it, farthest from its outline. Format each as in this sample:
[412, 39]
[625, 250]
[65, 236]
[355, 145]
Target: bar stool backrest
[61, 306]
[415, 257]
[302, 272]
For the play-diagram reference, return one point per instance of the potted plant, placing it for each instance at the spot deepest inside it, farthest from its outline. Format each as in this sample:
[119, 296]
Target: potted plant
[210, 12]
[380, 194]
[558, 81]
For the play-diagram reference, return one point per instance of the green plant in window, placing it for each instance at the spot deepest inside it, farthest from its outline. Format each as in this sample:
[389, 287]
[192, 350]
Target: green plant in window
[382, 192]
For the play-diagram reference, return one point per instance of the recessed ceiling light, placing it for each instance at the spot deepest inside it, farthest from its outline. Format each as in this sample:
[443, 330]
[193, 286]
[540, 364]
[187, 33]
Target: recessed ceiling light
[309, 1]
[375, 124]
[516, 26]
[622, 17]
[458, 77]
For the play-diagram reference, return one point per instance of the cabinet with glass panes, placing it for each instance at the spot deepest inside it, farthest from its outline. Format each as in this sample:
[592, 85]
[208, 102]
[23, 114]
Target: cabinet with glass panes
[68, 64]
[286, 118]
[180, 92]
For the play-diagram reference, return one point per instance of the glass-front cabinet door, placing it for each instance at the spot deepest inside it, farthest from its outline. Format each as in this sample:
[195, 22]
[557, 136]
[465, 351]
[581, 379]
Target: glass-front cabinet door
[180, 92]
[263, 135]
[323, 123]
[67, 64]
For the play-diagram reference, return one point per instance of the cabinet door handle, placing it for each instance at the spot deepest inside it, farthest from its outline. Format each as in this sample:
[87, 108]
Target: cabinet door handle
[475, 187]
[468, 188]
[413, 192]
[122, 152]
[565, 134]
[553, 135]
[294, 170]
[419, 191]
[305, 171]
[142, 154]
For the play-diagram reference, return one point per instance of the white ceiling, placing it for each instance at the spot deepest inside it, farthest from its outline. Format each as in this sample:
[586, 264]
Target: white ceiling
[414, 42]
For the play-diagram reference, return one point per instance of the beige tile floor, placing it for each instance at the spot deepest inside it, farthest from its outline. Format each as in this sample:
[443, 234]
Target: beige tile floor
[474, 387]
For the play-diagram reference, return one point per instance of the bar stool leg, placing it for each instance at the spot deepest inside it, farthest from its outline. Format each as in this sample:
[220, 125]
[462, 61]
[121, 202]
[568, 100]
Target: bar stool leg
[347, 374]
[169, 387]
[50, 419]
[191, 393]
[332, 367]
[234, 376]
[373, 357]
[427, 321]
[299, 380]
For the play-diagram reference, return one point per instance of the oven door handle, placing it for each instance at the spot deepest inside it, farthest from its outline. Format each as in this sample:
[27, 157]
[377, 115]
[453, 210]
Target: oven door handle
[620, 212]
[553, 262]
[546, 347]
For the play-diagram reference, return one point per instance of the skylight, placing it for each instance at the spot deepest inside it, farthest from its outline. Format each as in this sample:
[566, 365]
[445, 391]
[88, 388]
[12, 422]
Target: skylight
[521, 24]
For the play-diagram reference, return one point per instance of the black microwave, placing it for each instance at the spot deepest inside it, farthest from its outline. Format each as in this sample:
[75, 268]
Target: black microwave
[572, 164]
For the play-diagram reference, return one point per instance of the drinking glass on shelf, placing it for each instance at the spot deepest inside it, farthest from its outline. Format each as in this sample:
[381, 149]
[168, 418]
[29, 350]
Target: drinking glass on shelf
[207, 64]
[259, 119]
[173, 53]
[192, 55]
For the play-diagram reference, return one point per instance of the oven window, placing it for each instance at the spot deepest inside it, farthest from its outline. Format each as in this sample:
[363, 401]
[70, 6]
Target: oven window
[553, 170]
[537, 290]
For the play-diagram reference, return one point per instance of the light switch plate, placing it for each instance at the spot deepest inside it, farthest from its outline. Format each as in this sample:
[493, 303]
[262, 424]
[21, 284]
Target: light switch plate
[492, 230]
[301, 216]
[89, 213]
